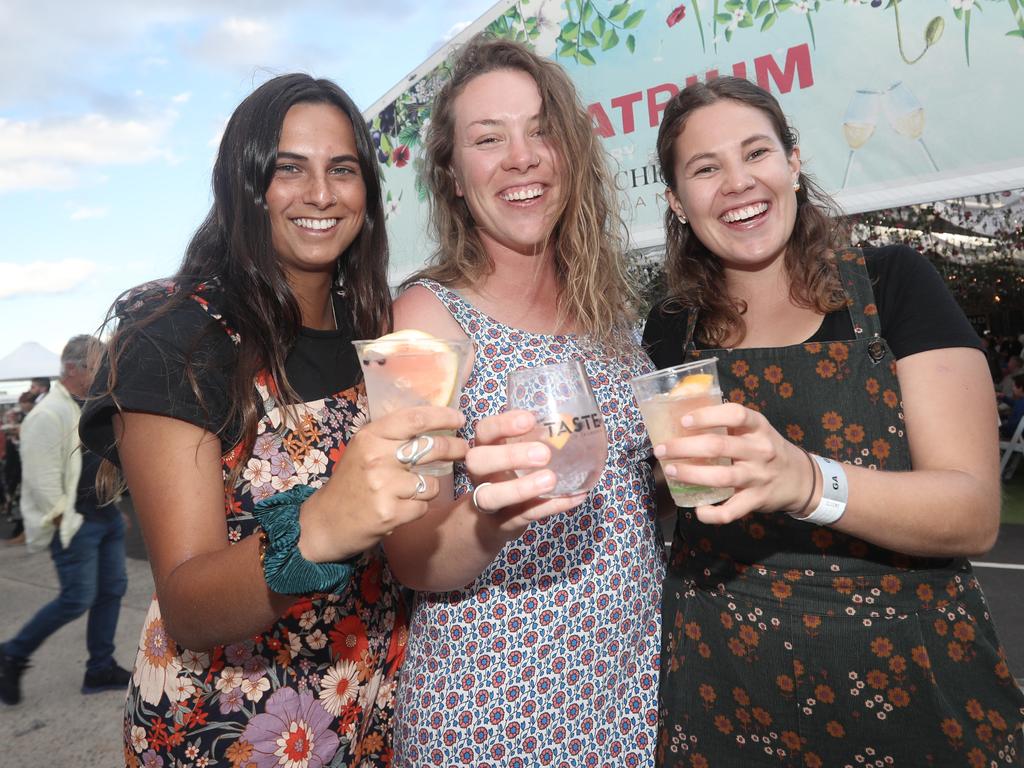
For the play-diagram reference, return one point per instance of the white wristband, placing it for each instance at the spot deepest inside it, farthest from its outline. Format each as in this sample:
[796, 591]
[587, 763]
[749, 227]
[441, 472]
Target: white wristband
[835, 491]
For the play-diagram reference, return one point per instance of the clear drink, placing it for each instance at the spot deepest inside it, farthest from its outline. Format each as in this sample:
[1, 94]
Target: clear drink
[411, 368]
[568, 420]
[665, 397]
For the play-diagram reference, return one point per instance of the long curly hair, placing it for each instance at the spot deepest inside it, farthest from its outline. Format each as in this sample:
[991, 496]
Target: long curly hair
[233, 247]
[590, 266]
[695, 275]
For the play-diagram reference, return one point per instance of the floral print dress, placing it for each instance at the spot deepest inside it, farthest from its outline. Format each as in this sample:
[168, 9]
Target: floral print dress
[550, 658]
[314, 689]
[791, 644]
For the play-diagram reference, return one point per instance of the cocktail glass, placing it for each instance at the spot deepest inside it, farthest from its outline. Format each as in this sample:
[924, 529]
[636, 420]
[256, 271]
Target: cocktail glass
[568, 420]
[664, 398]
[410, 369]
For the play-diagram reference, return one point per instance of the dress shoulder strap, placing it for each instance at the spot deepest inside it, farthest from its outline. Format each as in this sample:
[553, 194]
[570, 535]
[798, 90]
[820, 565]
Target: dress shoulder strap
[465, 314]
[856, 281]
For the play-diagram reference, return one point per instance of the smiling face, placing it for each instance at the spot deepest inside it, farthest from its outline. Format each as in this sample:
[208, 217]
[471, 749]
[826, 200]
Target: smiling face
[317, 198]
[734, 183]
[506, 169]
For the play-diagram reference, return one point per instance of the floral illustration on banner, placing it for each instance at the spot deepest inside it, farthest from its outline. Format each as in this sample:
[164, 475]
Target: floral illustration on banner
[729, 16]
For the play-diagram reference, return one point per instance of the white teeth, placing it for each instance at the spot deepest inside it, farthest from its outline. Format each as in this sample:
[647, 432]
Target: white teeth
[739, 214]
[316, 223]
[524, 194]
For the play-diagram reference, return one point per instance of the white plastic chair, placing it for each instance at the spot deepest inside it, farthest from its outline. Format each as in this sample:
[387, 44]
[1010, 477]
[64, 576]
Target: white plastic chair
[1012, 450]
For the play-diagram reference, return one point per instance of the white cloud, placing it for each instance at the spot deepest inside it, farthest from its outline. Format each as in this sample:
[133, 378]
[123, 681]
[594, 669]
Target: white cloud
[181, 98]
[43, 276]
[51, 153]
[81, 214]
[240, 44]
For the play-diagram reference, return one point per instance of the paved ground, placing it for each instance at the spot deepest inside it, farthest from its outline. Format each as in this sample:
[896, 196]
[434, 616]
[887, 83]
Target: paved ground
[56, 725]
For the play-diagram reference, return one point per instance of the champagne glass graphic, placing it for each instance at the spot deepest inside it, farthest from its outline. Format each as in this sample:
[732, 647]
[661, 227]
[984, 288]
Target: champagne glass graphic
[859, 123]
[906, 116]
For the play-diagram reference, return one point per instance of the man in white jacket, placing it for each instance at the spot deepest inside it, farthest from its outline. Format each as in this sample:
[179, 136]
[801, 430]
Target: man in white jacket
[62, 512]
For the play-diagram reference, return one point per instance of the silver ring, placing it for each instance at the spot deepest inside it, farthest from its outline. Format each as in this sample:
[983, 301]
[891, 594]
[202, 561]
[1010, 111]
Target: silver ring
[410, 452]
[476, 500]
[421, 485]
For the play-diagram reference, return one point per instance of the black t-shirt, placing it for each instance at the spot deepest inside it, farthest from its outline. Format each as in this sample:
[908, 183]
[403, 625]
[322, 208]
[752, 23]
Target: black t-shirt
[915, 308]
[153, 372]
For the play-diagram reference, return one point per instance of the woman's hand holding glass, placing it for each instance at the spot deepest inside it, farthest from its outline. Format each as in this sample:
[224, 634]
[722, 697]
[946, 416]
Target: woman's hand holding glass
[768, 472]
[510, 503]
[374, 487]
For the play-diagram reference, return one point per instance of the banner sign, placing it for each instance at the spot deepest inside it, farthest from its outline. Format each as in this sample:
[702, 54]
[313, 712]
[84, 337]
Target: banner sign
[895, 102]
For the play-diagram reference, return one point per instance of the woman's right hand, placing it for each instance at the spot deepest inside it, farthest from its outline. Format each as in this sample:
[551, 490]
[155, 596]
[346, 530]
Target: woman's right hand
[370, 492]
[510, 503]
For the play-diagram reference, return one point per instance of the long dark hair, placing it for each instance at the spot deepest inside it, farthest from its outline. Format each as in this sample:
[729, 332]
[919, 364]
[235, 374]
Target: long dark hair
[695, 276]
[233, 247]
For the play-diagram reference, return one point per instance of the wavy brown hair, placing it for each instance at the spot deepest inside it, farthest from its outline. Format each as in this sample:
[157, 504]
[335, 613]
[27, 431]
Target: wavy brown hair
[695, 276]
[233, 248]
[588, 244]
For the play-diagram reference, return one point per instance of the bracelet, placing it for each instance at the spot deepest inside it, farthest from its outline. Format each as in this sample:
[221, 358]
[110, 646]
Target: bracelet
[834, 492]
[285, 570]
[799, 513]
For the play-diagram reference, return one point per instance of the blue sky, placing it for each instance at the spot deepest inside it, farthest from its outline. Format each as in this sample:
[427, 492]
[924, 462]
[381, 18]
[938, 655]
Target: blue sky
[110, 113]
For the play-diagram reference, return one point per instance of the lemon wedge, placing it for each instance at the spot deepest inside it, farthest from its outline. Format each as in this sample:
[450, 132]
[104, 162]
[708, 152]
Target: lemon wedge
[693, 385]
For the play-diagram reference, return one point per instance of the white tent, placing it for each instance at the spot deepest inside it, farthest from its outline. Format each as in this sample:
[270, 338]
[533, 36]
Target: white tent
[29, 361]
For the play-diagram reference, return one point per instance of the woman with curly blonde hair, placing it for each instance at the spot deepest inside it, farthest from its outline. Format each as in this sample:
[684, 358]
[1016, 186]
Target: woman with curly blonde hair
[536, 635]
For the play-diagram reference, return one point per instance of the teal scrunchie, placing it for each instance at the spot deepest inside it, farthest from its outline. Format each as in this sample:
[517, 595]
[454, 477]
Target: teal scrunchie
[286, 571]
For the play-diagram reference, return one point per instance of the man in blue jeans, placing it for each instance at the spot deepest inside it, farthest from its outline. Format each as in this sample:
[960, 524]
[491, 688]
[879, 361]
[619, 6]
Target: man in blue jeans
[62, 512]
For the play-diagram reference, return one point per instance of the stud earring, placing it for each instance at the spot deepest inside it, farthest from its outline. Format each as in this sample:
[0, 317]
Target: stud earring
[682, 219]
[796, 186]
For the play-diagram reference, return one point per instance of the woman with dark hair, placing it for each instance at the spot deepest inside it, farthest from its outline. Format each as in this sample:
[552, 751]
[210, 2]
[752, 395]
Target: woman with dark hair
[231, 397]
[535, 638]
[825, 614]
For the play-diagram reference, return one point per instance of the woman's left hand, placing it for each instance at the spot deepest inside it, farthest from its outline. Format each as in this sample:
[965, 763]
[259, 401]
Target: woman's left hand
[768, 472]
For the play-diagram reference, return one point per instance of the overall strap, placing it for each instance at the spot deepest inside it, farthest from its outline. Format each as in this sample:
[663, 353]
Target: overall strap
[855, 278]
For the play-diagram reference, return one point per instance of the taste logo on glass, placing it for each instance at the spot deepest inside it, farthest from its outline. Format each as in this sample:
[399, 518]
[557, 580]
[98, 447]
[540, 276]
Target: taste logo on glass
[568, 420]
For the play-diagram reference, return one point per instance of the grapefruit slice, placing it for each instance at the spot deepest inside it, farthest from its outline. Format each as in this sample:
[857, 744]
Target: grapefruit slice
[417, 363]
[693, 385]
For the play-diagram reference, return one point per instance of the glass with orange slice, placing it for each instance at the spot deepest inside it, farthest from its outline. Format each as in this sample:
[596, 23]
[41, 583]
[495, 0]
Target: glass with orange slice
[568, 421]
[666, 396]
[409, 368]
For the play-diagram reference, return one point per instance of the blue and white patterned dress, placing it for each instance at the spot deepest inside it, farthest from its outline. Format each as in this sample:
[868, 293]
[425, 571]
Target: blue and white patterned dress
[551, 656]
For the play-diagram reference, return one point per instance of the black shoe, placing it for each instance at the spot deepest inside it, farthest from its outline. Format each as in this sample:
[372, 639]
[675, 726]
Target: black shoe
[110, 679]
[11, 670]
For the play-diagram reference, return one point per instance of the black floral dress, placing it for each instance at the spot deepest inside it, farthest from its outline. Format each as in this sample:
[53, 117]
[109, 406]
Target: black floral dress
[314, 689]
[791, 644]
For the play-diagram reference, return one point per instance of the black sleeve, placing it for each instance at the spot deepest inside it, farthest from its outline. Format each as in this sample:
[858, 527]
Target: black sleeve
[664, 335]
[153, 377]
[915, 308]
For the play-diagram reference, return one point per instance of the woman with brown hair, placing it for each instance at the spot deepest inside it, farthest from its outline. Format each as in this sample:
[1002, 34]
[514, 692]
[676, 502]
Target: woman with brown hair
[232, 399]
[535, 639]
[825, 614]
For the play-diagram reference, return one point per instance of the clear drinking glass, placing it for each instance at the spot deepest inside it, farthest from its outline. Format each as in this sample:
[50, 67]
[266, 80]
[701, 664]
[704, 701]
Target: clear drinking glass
[859, 123]
[411, 371]
[664, 398]
[906, 116]
[568, 420]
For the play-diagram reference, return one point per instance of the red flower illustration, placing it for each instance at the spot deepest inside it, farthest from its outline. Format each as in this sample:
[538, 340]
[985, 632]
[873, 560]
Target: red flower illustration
[677, 15]
[400, 155]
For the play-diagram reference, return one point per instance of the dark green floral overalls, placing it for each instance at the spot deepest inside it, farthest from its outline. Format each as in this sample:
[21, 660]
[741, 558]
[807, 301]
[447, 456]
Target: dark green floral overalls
[790, 644]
